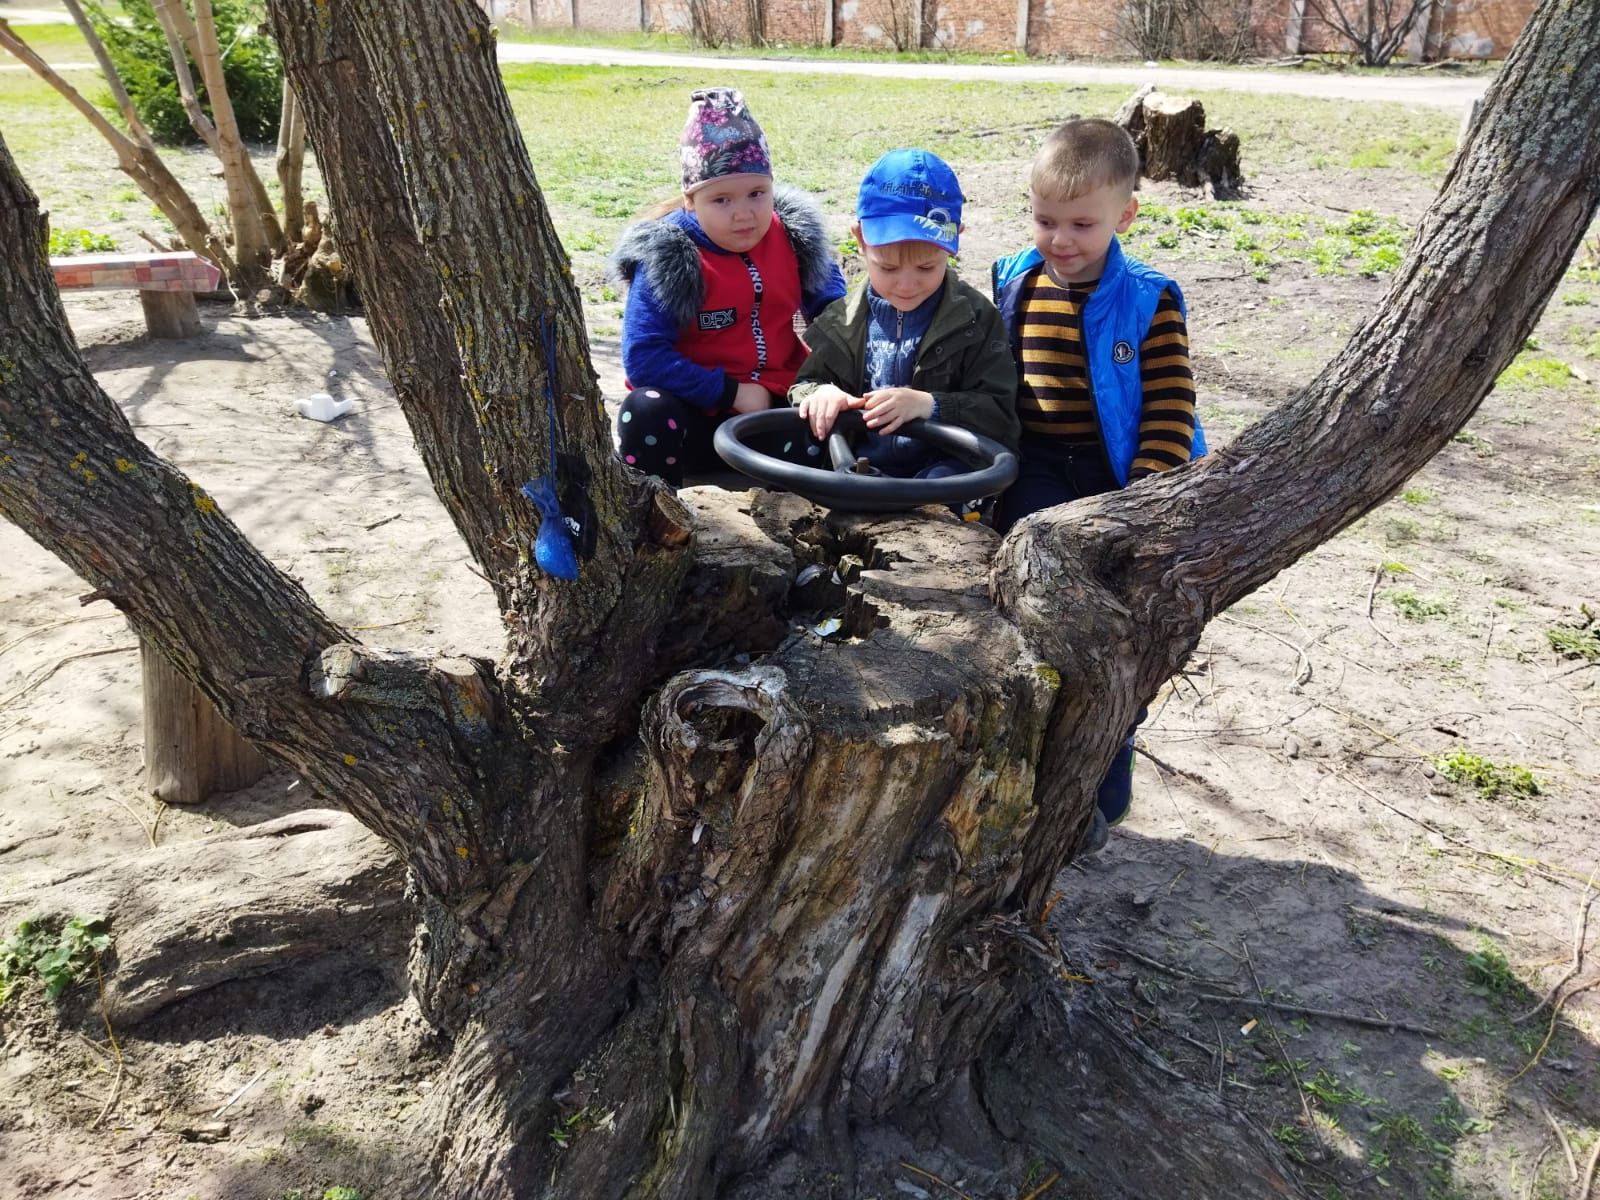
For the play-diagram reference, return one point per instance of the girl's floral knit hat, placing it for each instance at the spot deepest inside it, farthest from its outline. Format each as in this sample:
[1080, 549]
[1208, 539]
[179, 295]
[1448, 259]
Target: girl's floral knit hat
[721, 138]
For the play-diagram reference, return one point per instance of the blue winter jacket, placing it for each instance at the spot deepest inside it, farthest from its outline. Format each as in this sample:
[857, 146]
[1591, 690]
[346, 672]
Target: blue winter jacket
[667, 252]
[1115, 321]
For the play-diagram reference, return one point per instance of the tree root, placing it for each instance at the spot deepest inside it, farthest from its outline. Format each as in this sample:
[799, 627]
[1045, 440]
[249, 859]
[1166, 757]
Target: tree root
[190, 916]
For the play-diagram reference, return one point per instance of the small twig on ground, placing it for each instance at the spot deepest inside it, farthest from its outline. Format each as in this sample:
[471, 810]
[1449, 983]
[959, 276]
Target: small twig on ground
[381, 523]
[1526, 864]
[1377, 577]
[1157, 1022]
[1302, 669]
[248, 1084]
[1533, 1173]
[950, 1187]
[1328, 1013]
[159, 245]
[1550, 1033]
[1580, 934]
[1222, 1054]
[36, 630]
[1043, 1187]
[111, 1039]
[43, 675]
[1128, 952]
[147, 827]
[1588, 1172]
[1283, 1055]
[1566, 1143]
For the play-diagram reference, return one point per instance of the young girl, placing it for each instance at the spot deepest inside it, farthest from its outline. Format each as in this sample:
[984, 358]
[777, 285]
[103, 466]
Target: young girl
[713, 288]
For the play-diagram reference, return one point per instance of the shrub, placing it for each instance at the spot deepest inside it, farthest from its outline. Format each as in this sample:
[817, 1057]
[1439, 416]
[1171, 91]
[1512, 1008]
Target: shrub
[250, 65]
[80, 241]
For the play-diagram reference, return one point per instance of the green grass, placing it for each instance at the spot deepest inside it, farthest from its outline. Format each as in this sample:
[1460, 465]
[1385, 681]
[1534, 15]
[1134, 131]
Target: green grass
[1531, 370]
[1574, 643]
[1417, 608]
[1362, 244]
[80, 241]
[53, 43]
[1490, 778]
[603, 143]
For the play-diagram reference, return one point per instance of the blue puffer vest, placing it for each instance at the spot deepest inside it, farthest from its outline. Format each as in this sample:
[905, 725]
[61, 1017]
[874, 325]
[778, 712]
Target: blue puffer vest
[1115, 320]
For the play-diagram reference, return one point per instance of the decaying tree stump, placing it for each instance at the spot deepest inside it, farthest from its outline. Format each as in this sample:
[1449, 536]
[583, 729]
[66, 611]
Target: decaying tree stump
[1174, 143]
[190, 752]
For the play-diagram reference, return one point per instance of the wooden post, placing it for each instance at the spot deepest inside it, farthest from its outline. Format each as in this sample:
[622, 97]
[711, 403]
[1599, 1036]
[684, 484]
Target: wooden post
[190, 752]
[170, 314]
[1023, 13]
[828, 27]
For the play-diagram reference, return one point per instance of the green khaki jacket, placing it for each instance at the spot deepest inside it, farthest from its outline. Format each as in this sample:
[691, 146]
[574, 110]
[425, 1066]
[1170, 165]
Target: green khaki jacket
[964, 360]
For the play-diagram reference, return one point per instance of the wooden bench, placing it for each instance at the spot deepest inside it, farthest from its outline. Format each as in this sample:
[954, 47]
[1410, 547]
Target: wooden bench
[166, 283]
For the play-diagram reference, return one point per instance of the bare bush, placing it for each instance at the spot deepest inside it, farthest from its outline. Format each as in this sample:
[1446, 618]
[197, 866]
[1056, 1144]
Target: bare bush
[1375, 30]
[1212, 30]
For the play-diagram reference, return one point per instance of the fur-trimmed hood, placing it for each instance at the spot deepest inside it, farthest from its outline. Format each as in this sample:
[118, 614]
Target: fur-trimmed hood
[668, 251]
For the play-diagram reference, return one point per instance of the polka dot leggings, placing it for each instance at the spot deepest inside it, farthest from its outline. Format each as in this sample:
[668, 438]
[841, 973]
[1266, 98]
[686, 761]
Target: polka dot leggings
[663, 435]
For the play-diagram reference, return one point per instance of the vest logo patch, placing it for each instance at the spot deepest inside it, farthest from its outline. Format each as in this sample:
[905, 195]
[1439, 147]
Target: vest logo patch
[717, 318]
[1121, 353]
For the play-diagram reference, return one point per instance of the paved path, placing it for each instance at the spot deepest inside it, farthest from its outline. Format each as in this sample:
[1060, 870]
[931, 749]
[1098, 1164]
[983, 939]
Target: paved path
[1434, 90]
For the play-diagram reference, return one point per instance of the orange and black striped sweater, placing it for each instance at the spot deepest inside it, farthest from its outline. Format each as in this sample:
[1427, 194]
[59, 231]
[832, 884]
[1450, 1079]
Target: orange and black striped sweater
[1053, 398]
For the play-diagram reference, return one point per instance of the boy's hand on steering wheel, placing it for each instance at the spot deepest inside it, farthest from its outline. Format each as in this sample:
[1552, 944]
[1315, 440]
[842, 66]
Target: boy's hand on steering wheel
[890, 408]
[751, 397]
[821, 408]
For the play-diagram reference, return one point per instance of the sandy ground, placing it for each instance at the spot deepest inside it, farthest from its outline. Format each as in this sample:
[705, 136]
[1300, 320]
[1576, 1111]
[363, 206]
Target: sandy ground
[1292, 840]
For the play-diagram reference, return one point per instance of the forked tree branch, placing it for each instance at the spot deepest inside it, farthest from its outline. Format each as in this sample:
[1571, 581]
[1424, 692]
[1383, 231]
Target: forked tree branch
[75, 478]
[508, 300]
[1181, 547]
[337, 106]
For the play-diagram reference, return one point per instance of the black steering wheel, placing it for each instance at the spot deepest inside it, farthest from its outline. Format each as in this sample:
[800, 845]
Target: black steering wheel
[853, 485]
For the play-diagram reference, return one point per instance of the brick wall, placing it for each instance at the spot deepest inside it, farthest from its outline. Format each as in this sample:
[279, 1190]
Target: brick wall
[879, 23]
[797, 22]
[1074, 29]
[729, 20]
[1478, 28]
[1056, 28]
[1456, 28]
[607, 16]
[982, 25]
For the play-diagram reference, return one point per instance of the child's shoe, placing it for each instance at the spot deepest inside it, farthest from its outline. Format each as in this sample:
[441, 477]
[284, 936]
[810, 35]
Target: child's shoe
[1099, 831]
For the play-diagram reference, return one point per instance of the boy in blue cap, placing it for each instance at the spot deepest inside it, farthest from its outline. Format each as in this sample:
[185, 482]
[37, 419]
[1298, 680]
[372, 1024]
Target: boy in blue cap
[911, 340]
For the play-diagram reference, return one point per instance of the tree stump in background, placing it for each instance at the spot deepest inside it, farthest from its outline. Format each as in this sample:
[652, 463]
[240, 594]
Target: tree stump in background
[1174, 143]
[190, 752]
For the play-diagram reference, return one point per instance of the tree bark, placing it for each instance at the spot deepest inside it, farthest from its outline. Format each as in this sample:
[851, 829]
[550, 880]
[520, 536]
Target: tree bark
[805, 896]
[290, 165]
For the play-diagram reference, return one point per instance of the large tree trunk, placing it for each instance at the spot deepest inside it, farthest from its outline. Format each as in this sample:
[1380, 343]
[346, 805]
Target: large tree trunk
[709, 863]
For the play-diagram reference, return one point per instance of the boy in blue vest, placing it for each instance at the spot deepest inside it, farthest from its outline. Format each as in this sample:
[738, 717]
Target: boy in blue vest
[1106, 394]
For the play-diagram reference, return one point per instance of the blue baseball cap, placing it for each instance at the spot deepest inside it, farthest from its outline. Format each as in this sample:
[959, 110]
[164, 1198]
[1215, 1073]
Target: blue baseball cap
[910, 196]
